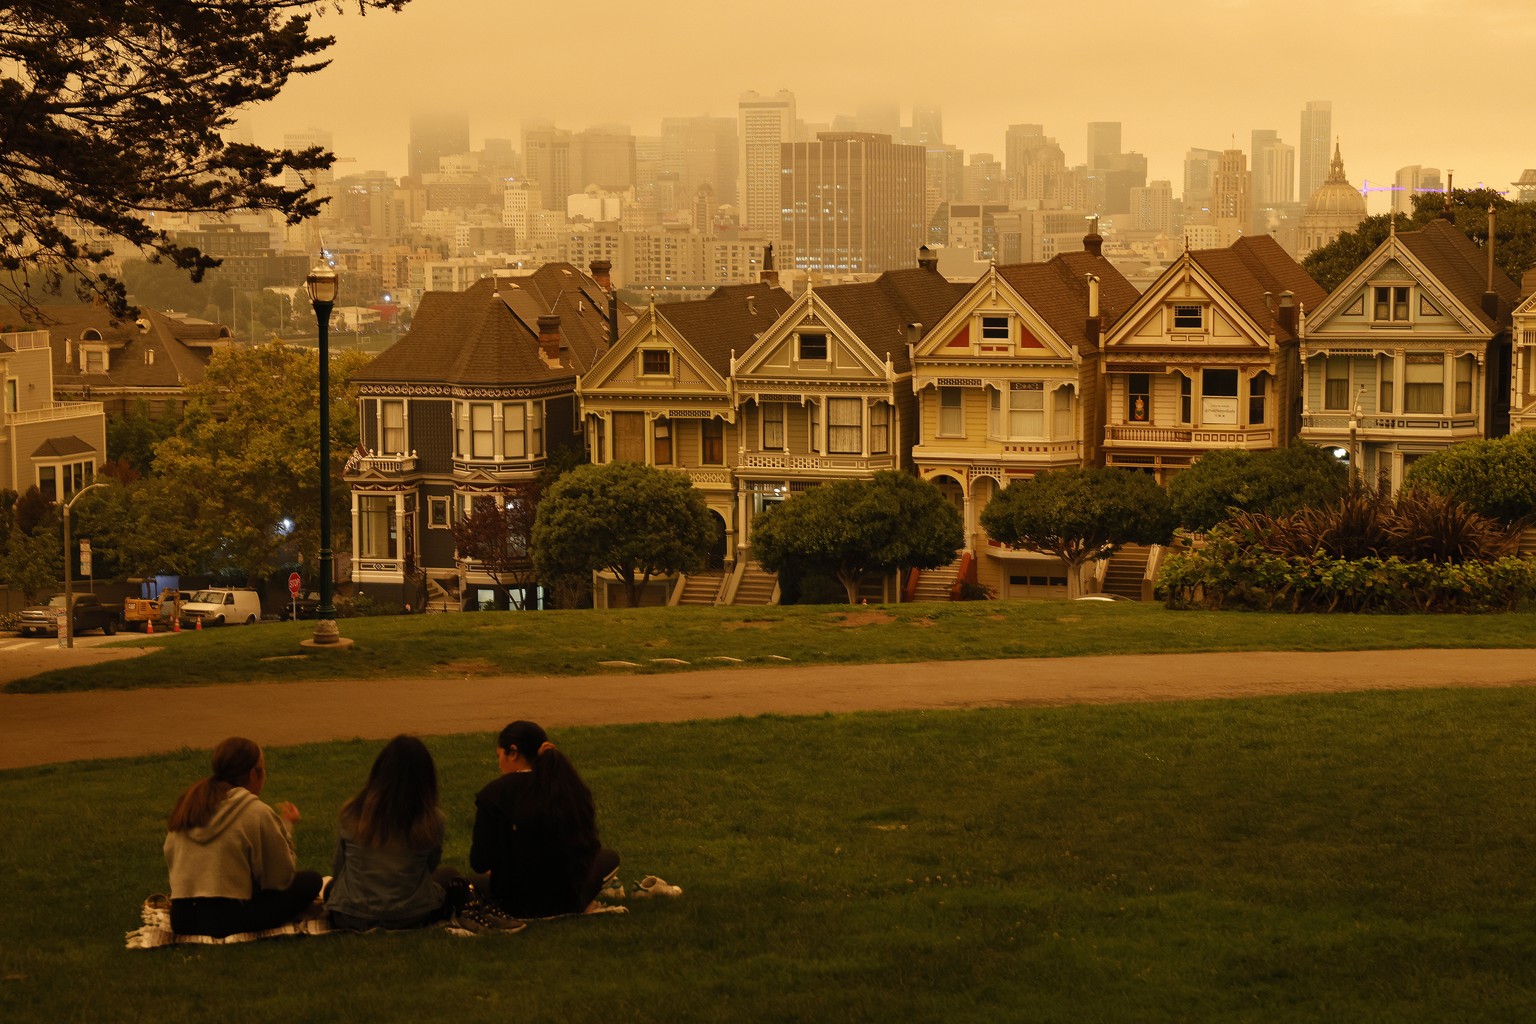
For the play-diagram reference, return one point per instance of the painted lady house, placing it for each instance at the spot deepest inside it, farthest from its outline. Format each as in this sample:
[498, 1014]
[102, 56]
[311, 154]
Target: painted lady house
[663, 395]
[475, 399]
[1008, 386]
[1410, 353]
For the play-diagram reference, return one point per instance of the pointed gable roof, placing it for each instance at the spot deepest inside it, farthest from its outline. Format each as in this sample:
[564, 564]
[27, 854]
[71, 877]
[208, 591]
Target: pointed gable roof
[880, 311]
[727, 322]
[1461, 267]
[1058, 291]
[1256, 264]
[181, 346]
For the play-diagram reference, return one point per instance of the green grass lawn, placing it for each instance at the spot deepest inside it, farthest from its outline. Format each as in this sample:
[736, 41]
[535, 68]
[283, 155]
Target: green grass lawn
[1360, 857]
[672, 639]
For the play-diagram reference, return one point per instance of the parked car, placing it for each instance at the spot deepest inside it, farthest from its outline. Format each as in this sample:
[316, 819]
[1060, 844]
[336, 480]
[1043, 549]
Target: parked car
[221, 606]
[90, 613]
[301, 607]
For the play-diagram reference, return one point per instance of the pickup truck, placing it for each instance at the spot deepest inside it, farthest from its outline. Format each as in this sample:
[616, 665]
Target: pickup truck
[90, 613]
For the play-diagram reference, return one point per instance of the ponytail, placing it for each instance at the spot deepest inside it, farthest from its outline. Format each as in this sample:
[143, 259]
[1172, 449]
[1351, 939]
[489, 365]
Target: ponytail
[233, 761]
[558, 793]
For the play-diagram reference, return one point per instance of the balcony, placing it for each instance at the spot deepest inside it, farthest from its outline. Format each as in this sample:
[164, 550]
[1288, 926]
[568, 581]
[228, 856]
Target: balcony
[787, 462]
[388, 465]
[713, 476]
[55, 411]
[1202, 438]
[1408, 425]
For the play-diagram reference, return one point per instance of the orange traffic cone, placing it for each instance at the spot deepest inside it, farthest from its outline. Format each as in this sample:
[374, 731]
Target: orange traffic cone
[149, 625]
[197, 624]
[175, 625]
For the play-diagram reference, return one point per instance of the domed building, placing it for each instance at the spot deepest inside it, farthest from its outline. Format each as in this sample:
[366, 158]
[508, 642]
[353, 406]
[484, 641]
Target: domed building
[1336, 207]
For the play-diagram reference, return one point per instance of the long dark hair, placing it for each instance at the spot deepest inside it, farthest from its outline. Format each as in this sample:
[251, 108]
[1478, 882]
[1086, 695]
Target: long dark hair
[558, 795]
[398, 806]
[233, 760]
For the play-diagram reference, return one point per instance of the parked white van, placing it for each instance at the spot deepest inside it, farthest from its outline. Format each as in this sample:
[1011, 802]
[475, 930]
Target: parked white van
[220, 607]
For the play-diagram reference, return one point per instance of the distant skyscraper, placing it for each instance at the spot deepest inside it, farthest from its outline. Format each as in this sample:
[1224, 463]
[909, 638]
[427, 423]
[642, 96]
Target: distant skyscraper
[853, 203]
[323, 180]
[1103, 145]
[765, 124]
[1411, 181]
[604, 157]
[984, 181]
[435, 135]
[1316, 149]
[547, 160]
[702, 151]
[1152, 207]
[1273, 164]
[927, 126]
[1199, 177]
[1231, 196]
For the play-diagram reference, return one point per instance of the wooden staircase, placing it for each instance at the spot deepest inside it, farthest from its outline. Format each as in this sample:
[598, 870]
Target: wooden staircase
[1126, 570]
[937, 584]
[702, 588]
[442, 599]
[757, 585]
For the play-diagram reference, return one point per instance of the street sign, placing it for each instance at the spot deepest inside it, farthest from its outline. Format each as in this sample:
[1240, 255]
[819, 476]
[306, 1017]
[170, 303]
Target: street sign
[85, 557]
[294, 584]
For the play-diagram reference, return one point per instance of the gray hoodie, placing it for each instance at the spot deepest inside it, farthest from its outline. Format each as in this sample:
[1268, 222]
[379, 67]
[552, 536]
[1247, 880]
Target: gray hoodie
[245, 845]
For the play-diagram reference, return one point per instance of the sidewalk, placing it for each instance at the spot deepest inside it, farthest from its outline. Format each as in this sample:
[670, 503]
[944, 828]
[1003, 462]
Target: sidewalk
[50, 728]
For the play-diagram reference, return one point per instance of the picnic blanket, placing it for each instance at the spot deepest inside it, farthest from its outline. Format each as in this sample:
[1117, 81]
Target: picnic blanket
[156, 915]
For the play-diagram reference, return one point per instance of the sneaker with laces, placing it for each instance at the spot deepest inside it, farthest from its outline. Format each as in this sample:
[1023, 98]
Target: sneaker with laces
[479, 917]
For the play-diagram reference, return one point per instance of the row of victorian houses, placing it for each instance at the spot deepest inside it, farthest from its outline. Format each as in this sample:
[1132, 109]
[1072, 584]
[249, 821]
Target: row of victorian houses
[756, 395]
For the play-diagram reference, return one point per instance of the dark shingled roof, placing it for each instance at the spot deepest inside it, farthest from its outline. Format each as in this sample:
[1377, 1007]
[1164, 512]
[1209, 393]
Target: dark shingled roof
[1058, 291]
[62, 447]
[730, 320]
[181, 348]
[488, 334]
[1256, 264]
[1462, 267]
[880, 311]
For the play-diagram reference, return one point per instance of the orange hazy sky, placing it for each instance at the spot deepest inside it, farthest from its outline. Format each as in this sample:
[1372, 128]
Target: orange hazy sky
[1412, 82]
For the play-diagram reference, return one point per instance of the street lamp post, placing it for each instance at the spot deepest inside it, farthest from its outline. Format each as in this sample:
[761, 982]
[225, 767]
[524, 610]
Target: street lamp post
[69, 576]
[323, 285]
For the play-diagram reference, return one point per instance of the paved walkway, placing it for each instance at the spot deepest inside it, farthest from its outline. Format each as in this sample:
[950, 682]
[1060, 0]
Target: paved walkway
[49, 728]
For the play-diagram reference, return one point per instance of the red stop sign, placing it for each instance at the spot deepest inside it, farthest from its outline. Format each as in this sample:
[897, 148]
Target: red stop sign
[294, 584]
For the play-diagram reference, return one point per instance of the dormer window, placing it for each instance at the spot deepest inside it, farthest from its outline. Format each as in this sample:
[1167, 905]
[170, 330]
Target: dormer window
[996, 334]
[813, 346]
[1391, 304]
[656, 362]
[1188, 317]
[93, 359]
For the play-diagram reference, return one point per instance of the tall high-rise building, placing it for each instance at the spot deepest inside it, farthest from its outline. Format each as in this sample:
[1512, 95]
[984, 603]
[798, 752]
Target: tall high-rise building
[702, 151]
[1273, 164]
[434, 135]
[1152, 207]
[603, 156]
[1413, 180]
[1103, 145]
[1231, 196]
[1199, 178]
[323, 179]
[944, 172]
[547, 160]
[853, 203]
[1316, 150]
[927, 126]
[984, 181]
[764, 125]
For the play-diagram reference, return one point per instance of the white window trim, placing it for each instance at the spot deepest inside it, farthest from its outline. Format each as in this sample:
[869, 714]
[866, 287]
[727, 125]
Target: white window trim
[1173, 315]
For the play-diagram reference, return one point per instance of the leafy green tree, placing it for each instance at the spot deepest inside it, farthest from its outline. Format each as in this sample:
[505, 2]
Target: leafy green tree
[633, 520]
[1493, 476]
[854, 529]
[246, 456]
[1080, 515]
[34, 545]
[113, 112]
[132, 436]
[1275, 481]
[1514, 233]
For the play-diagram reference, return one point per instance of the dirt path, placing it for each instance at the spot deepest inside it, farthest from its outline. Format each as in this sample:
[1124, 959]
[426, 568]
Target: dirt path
[49, 728]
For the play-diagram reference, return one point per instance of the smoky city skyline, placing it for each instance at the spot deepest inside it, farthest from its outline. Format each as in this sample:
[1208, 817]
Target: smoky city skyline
[1410, 82]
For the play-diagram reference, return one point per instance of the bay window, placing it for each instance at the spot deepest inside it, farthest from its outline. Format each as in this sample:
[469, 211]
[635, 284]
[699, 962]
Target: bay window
[376, 526]
[845, 426]
[392, 428]
[951, 412]
[1336, 382]
[773, 426]
[880, 429]
[1424, 384]
[1464, 369]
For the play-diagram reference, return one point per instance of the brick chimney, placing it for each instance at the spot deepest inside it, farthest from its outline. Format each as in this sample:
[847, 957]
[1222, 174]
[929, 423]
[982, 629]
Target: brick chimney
[1093, 242]
[602, 273]
[769, 275]
[927, 260]
[1285, 318]
[1094, 326]
[549, 339]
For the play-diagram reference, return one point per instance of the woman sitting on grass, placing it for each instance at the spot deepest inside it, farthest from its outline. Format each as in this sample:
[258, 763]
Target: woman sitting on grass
[231, 856]
[386, 872]
[536, 830]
